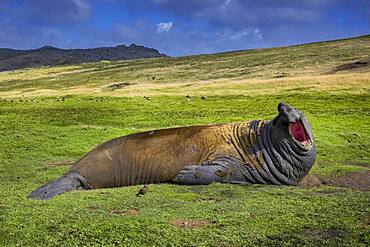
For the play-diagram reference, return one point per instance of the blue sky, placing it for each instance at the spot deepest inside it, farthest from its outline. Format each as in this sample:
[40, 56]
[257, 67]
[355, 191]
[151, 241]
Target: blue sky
[179, 27]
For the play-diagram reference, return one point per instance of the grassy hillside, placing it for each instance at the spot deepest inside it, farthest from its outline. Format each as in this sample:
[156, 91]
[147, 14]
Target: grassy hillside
[49, 117]
[243, 73]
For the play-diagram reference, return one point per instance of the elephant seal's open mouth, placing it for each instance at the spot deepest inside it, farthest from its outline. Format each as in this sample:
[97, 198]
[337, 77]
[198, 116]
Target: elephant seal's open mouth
[299, 134]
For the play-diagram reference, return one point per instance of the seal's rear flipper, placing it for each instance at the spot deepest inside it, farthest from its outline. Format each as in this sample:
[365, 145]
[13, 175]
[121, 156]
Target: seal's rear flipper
[68, 182]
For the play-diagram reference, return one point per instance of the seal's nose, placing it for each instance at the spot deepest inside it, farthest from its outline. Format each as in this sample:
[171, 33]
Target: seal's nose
[289, 114]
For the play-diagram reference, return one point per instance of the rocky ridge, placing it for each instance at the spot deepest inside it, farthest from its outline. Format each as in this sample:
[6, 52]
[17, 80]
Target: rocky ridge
[11, 59]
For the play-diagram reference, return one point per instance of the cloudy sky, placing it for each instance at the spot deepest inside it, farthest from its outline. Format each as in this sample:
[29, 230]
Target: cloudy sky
[179, 27]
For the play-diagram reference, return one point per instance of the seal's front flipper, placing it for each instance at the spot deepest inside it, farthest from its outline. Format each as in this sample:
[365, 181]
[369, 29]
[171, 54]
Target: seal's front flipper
[193, 175]
[67, 182]
[222, 170]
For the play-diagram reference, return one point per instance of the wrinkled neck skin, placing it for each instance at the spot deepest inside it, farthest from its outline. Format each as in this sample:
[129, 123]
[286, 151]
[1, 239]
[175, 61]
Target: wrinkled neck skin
[292, 161]
[287, 159]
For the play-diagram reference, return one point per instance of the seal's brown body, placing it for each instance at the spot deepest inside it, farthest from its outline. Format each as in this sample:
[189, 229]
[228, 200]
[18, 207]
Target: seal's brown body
[278, 151]
[157, 156]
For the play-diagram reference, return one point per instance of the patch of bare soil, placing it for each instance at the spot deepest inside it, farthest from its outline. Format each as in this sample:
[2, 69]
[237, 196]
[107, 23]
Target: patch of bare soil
[189, 224]
[350, 66]
[354, 180]
[129, 212]
[322, 234]
[365, 220]
[280, 75]
[119, 85]
[309, 181]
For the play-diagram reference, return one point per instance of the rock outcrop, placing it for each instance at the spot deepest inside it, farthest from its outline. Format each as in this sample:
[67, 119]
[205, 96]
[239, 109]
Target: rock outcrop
[11, 59]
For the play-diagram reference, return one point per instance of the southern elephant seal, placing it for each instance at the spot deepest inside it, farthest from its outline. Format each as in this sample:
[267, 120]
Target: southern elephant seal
[278, 151]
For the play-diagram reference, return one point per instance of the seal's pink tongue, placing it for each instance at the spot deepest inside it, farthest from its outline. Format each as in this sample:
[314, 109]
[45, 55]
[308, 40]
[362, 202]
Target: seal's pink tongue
[297, 131]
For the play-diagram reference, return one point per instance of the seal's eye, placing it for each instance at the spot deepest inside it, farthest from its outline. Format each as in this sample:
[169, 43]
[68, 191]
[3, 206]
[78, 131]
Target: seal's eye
[298, 132]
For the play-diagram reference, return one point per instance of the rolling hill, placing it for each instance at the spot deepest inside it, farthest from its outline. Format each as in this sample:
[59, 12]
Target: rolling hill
[242, 72]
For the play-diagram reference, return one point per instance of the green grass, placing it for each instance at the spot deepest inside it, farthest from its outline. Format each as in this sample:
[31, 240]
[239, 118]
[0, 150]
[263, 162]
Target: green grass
[42, 136]
[41, 139]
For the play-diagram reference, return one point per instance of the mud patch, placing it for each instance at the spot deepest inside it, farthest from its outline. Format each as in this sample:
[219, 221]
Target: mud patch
[323, 234]
[281, 75]
[119, 85]
[350, 66]
[310, 181]
[129, 212]
[189, 224]
[354, 180]
[365, 221]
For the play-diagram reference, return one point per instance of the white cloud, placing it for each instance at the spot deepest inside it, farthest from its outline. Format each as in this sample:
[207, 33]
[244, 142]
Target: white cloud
[82, 9]
[248, 33]
[164, 27]
[226, 4]
[257, 33]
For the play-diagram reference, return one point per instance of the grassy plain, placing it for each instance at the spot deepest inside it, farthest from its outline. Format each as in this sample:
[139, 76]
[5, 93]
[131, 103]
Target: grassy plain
[49, 117]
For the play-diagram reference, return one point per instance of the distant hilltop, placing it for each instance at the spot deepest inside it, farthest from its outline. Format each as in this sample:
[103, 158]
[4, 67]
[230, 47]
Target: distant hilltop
[11, 59]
